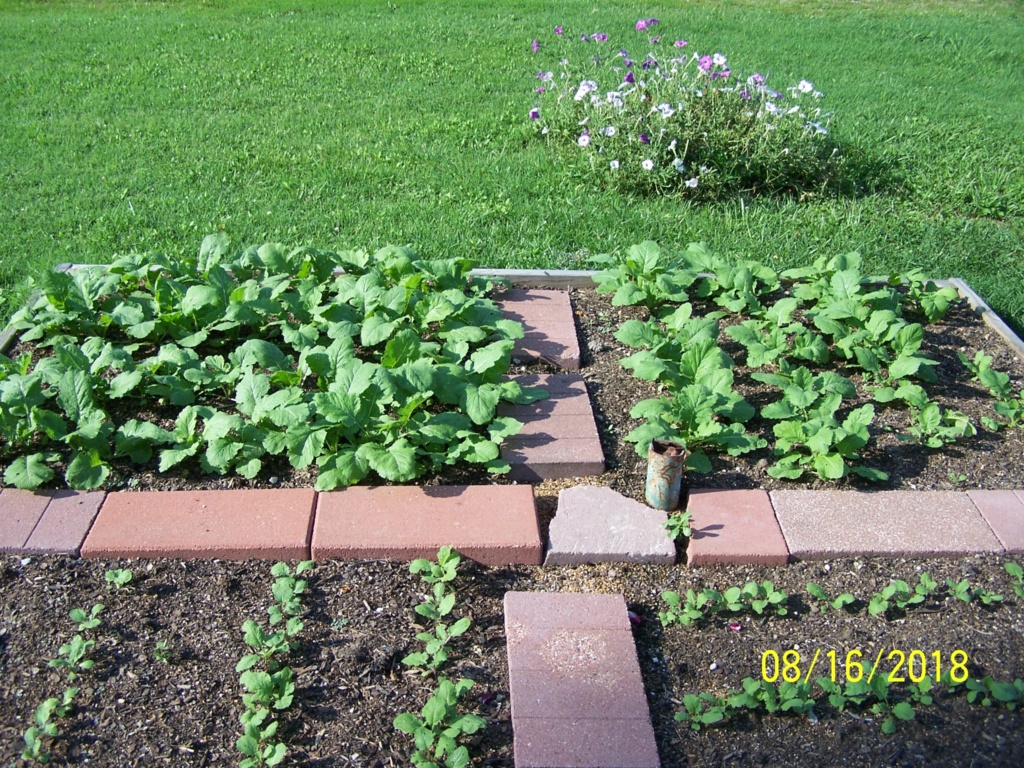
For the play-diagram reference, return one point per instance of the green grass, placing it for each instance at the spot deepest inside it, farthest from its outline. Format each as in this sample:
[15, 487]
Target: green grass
[143, 126]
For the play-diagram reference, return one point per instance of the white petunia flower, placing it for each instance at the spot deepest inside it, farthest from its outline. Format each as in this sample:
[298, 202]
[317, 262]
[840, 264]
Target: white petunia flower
[692, 183]
[609, 131]
[614, 165]
[586, 87]
[718, 59]
[805, 86]
[647, 165]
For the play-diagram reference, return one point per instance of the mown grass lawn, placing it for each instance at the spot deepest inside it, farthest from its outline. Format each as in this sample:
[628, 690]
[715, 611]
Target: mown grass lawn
[139, 126]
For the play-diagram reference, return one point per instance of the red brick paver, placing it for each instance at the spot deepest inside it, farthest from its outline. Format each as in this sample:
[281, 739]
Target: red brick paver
[826, 524]
[559, 437]
[549, 329]
[492, 524]
[577, 694]
[65, 522]
[232, 525]
[1004, 513]
[732, 527]
[19, 513]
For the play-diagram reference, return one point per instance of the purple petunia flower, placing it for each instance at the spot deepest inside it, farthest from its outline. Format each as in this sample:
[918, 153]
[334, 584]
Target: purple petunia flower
[651, 22]
[584, 38]
[745, 94]
[535, 114]
[648, 63]
[535, 45]
[756, 79]
[629, 78]
[628, 63]
[599, 36]
[655, 39]
[705, 63]
[641, 25]
[559, 30]
[681, 43]
[540, 90]
[644, 138]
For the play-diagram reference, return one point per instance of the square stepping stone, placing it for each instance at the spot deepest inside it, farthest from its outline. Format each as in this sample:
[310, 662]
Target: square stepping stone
[577, 693]
[731, 527]
[492, 524]
[595, 524]
[559, 436]
[19, 513]
[549, 331]
[1004, 513]
[230, 525]
[826, 524]
[65, 522]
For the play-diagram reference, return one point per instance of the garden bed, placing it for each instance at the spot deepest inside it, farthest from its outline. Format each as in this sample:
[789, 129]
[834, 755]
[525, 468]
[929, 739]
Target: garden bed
[137, 710]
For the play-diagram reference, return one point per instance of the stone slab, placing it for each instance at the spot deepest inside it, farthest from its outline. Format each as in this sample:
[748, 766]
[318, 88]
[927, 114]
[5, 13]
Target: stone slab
[598, 743]
[595, 524]
[732, 527]
[65, 522]
[494, 525]
[576, 689]
[20, 511]
[1004, 513]
[820, 525]
[230, 525]
[549, 329]
[559, 436]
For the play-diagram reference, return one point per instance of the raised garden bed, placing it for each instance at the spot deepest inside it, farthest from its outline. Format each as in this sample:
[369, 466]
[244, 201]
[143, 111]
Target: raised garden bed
[351, 683]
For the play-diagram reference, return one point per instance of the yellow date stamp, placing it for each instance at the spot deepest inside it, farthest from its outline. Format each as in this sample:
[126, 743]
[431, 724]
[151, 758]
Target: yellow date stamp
[900, 666]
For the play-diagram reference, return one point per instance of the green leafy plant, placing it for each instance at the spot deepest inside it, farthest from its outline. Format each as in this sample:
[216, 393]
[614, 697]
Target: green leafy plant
[393, 367]
[161, 652]
[933, 426]
[704, 709]
[899, 595]
[927, 298]
[436, 606]
[785, 697]
[89, 620]
[755, 597]
[678, 525]
[44, 730]
[1009, 405]
[989, 692]
[825, 602]
[118, 578]
[643, 275]
[1016, 574]
[438, 727]
[442, 571]
[690, 608]
[288, 591]
[74, 657]
[961, 590]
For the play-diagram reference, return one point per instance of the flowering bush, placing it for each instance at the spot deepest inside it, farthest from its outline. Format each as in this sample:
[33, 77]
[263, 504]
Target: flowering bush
[662, 117]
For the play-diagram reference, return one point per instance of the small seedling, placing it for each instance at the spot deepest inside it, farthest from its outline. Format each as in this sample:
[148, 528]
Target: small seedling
[89, 620]
[439, 726]
[287, 590]
[1017, 578]
[434, 653]
[697, 606]
[961, 590]
[825, 602]
[703, 709]
[444, 570]
[160, 653]
[44, 728]
[755, 597]
[898, 595]
[74, 657]
[678, 525]
[957, 478]
[118, 578]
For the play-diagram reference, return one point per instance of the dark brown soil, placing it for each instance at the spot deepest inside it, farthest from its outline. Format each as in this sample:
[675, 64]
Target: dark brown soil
[134, 710]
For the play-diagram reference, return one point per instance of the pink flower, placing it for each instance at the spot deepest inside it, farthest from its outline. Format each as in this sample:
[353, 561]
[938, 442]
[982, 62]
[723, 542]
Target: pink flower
[542, 89]
[641, 25]
[600, 37]
[535, 45]
[681, 43]
[705, 63]
[559, 30]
